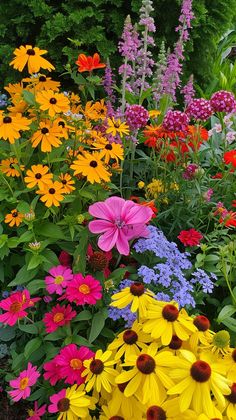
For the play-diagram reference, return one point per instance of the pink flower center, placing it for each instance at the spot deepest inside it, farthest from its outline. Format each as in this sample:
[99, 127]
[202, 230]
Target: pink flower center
[76, 364]
[24, 383]
[85, 289]
[59, 279]
[58, 317]
[119, 223]
[15, 307]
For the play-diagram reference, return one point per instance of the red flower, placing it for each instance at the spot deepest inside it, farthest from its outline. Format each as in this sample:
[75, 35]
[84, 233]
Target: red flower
[190, 237]
[65, 259]
[89, 63]
[230, 157]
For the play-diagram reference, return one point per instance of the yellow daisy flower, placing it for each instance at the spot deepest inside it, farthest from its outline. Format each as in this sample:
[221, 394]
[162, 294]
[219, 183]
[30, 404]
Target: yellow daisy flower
[53, 102]
[155, 188]
[63, 127]
[154, 113]
[168, 410]
[218, 343]
[11, 125]
[165, 320]
[130, 341]
[48, 135]
[11, 167]
[52, 194]
[98, 373]
[101, 109]
[14, 88]
[230, 364]
[67, 183]
[136, 295]
[75, 405]
[109, 413]
[217, 416]
[196, 379]
[109, 150]
[202, 335]
[127, 407]
[117, 127]
[91, 166]
[14, 218]
[231, 403]
[90, 112]
[42, 82]
[38, 176]
[32, 57]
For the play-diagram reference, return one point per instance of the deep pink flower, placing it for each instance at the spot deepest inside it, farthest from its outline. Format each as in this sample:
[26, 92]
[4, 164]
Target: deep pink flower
[136, 116]
[15, 306]
[55, 399]
[37, 412]
[59, 315]
[190, 237]
[223, 101]
[120, 221]
[65, 259]
[25, 380]
[175, 121]
[60, 276]
[199, 109]
[82, 290]
[70, 361]
[52, 373]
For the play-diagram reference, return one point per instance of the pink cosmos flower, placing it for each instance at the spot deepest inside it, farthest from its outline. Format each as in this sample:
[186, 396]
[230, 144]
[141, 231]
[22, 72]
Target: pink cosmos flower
[55, 400]
[15, 306]
[120, 221]
[82, 290]
[59, 315]
[25, 380]
[60, 276]
[52, 373]
[70, 361]
[37, 412]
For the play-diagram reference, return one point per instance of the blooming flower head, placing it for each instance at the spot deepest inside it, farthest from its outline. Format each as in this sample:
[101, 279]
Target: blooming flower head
[67, 182]
[53, 102]
[99, 260]
[22, 384]
[70, 362]
[223, 101]
[109, 150]
[48, 136]
[11, 126]
[14, 218]
[11, 167]
[59, 278]
[82, 290]
[230, 158]
[15, 306]
[136, 116]
[119, 221]
[52, 194]
[38, 176]
[52, 371]
[59, 316]
[136, 295]
[190, 237]
[37, 412]
[99, 373]
[175, 121]
[116, 126]
[91, 166]
[71, 403]
[32, 57]
[231, 402]
[199, 109]
[89, 63]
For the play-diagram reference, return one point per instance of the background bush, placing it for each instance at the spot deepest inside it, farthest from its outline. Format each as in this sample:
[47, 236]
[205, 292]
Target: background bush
[97, 25]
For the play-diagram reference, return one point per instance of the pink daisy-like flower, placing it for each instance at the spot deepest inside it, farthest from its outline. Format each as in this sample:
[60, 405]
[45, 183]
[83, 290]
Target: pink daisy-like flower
[55, 400]
[58, 280]
[59, 315]
[22, 384]
[52, 374]
[70, 361]
[37, 412]
[82, 290]
[119, 221]
[15, 306]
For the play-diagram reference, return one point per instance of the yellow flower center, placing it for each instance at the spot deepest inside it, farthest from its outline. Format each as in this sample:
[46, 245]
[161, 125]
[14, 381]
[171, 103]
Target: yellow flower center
[58, 317]
[15, 307]
[24, 383]
[76, 364]
[31, 413]
[84, 288]
[59, 279]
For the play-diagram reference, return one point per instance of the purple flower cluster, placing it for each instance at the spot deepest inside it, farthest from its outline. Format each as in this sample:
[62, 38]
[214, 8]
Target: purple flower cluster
[3, 100]
[175, 121]
[188, 91]
[136, 116]
[223, 101]
[190, 172]
[199, 109]
[201, 278]
[108, 83]
[130, 42]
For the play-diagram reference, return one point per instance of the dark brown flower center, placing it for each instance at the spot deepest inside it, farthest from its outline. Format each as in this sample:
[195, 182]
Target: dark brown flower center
[146, 364]
[175, 343]
[44, 130]
[122, 386]
[232, 397]
[156, 413]
[53, 101]
[63, 405]
[7, 120]
[170, 313]
[30, 51]
[61, 123]
[108, 147]
[96, 366]
[11, 166]
[116, 418]
[202, 323]
[38, 176]
[130, 337]
[93, 163]
[137, 289]
[15, 214]
[51, 190]
[42, 79]
[63, 181]
[200, 371]
[98, 260]
[234, 355]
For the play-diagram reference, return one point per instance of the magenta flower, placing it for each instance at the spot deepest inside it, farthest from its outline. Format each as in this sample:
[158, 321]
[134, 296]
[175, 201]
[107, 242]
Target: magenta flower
[52, 373]
[22, 384]
[120, 221]
[82, 290]
[15, 306]
[70, 361]
[59, 316]
[60, 276]
[37, 412]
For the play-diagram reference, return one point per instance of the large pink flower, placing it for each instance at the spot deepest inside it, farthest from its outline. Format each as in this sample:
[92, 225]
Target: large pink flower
[52, 371]
[120, 221]
[70, 361]
[58, 280]
[22, 384]
[59, 315]
[82, 290]
[15, 306]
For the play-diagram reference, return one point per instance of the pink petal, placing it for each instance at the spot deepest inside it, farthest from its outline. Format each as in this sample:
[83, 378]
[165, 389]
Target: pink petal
[115, 205]
[100, 210]
[138, 214]
[100, 226]
[137, 231]
[107, 241]
[122, 244]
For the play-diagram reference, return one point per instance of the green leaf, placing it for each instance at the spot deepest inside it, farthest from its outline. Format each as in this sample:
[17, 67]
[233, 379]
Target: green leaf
[23, 276]
[34, 261]
[7, 333]
[226, 312]
[28, 97]
[35, 285]
[230, 323]
[37, 394]
[83, 316]
[57, 335]
[17, 361]
[23, 207]
[80, 252]
[32, 346]
[13, 242]
[98, 323]
[28, 328]
[50, 230]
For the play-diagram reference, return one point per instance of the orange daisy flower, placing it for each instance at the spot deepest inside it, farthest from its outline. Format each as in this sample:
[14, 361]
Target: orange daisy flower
[42, 82]
[52, 194]
[88, 63]
[38, 176]
[11, 125]
[53, 102]
[11, 167]
[67, 182]
[48, 135]
[32, 57]
[14, 218]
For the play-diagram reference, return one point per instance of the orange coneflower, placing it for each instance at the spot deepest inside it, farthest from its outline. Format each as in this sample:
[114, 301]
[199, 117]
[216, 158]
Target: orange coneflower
[117, 127]
[14, 218]
[53, 102]
[42, 82]
[11, 125]
[88, 63]
[11, 167]
[31, 56]
[52, 194]
[109, 150]
[48, 135]
[38, 176]
[67, 182]
[91, 166]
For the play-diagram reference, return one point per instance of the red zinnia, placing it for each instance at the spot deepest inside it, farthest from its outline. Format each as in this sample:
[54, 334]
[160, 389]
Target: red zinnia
[190, 237]
[230, 157]
[59, 316]
[89, 63]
